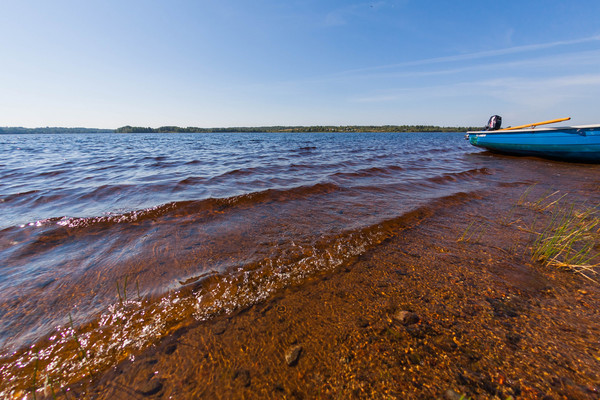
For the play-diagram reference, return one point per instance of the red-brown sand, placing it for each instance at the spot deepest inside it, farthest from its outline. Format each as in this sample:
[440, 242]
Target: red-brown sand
[422, 315]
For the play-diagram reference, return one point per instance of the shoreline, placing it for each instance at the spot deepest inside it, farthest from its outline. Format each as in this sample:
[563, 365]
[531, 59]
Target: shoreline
[246, 129]
[422, 314]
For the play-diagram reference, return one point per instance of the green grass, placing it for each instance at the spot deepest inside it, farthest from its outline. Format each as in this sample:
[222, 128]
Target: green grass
[34, 383]
[122, 297]
[122, 294]
[569, 240]
[474, 232]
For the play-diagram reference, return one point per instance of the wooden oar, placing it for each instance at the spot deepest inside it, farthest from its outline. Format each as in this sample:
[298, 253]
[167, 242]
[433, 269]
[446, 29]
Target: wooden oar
[552, 121]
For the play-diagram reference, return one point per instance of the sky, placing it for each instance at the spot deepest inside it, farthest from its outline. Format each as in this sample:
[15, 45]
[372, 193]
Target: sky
[227, 63]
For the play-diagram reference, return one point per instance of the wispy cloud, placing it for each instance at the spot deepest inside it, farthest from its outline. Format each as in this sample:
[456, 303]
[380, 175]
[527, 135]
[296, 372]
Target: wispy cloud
[580, 58]
[476, 55]
[543, 93]
[524, 91]
[527, 80]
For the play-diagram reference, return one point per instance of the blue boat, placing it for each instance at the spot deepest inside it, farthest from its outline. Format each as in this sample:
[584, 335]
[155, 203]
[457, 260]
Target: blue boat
[570, 143]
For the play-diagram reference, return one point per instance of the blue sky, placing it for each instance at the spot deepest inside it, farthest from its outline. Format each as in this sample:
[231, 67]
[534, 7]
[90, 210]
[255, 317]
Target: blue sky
[221, 63]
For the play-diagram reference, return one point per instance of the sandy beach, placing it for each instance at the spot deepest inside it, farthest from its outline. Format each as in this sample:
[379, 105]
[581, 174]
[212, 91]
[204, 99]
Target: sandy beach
[436, 311]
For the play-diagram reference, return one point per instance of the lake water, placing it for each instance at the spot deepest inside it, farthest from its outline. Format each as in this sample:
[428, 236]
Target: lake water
[121, 237]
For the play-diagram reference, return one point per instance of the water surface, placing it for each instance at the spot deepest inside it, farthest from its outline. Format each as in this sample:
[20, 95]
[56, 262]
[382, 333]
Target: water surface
[123, 236]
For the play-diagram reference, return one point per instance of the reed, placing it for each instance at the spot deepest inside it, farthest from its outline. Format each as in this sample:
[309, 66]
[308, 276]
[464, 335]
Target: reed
[508, 219]
[526, 193]
[474, 232]
[123, 297]
[466, 233]
[34, 383]
[51, 384]
[547, 201]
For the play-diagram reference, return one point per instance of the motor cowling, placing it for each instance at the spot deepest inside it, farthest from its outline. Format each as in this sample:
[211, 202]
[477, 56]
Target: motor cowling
[494, 123]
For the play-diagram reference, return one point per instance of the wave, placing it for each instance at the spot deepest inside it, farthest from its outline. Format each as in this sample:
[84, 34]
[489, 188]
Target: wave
[370, 172]
[460, 176]
[18, 196]
[135, 321]
[266, 239]
[194, 162]
[211, 206]
[305, 150]
[190, 181]
[53, 173]
[105, 191]
[205, 207]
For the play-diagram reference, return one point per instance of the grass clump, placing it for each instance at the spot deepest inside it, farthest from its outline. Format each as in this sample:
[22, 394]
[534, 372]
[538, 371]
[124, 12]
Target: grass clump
[569, 237]
[570, 240]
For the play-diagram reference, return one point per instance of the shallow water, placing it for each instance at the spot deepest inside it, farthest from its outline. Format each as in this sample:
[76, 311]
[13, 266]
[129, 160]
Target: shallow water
[121, 237]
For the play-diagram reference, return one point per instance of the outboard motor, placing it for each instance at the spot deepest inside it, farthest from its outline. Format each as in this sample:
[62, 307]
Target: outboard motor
[494, 123]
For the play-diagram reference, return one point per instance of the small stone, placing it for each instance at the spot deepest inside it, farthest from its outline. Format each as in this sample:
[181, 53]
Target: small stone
[279, 387]
[292, 355]
[406, 317]
[472, 355]
[452, 395]
[420, 331]
[415, 359]
[445, 344]
[220, 327]
[345, 360]
[151, 387]
[242, 376]
[513, 338]
[362, 322]
[170, 349]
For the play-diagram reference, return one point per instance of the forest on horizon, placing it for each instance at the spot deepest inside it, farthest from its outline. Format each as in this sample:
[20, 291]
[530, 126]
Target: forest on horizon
[259, 129]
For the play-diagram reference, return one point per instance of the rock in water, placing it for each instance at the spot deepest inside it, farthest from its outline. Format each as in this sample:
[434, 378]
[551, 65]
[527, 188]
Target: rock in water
[452, 395]
[406, 317]
[292, 355]
[151, 387]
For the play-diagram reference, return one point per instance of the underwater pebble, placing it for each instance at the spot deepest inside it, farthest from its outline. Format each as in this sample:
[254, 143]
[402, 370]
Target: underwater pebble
[406, 317]
[513, 338]
[452, 395]
[362, 322]
[243, 376]
[151, 387]
[292, 355]
[220, 327]
[170, 349]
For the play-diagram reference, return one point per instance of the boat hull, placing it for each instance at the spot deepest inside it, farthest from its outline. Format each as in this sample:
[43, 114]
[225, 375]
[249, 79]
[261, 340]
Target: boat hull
[577, 143]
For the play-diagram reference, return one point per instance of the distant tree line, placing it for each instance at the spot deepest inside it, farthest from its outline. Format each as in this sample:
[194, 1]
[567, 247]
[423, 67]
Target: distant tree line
[19, 130]
[299, 129]
[258, 129]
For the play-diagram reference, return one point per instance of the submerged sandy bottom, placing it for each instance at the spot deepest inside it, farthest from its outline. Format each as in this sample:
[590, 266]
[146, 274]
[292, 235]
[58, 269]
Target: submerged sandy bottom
[422, 315]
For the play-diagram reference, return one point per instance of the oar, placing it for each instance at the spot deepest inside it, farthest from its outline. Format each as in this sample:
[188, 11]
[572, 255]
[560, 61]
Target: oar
[552, 121]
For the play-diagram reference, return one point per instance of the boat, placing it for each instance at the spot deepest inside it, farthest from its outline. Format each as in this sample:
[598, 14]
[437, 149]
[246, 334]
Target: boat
[570, 143]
